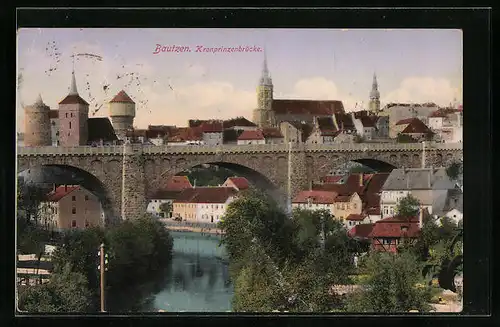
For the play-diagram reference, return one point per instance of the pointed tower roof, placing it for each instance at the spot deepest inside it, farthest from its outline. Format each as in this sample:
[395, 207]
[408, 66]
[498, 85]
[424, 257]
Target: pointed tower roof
[39, 100]
[265, 78]
[122, 97]
[374, 93]
[73, 97]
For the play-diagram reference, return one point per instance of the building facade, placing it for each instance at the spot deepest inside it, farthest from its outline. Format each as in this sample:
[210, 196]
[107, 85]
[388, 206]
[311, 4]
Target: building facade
[69, 207]
[122, 113]
[37, 124]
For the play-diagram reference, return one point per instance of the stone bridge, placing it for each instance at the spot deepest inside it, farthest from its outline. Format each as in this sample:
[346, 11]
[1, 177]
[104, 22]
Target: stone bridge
[122, 176]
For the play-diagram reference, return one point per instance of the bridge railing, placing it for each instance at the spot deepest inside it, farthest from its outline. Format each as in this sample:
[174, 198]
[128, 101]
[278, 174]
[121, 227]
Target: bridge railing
[232, 148]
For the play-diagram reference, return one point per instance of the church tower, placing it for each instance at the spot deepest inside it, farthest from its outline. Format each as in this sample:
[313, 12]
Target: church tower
[263, 116]
[73, 118]
[374, 104]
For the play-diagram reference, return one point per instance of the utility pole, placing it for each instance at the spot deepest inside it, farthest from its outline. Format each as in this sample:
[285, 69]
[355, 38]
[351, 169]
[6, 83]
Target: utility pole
[289, 200]
[102, 269]
[423, 154]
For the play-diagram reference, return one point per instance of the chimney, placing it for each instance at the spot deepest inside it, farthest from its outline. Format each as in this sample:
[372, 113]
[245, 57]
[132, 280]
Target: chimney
[65, 188]
[54, 187]
[194, 183]
[360, 179]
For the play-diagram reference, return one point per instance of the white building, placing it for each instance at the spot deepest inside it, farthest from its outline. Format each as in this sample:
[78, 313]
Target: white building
[432, 187]
[315, 200]
[365, 126]
[212, 133]
[204, 204]
[251, 137]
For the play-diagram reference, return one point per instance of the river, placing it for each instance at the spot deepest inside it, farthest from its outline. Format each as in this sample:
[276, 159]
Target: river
[197, 280]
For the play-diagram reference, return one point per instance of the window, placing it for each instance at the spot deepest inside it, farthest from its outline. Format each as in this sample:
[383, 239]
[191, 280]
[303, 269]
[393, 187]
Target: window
[73, 210]
[69, 125]
[66, 115]
[73, 223]
[86, 197]
[71, 114]
[354, 205]
[73, 198]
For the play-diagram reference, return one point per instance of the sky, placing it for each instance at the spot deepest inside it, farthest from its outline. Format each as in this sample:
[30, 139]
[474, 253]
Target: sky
[421, 65]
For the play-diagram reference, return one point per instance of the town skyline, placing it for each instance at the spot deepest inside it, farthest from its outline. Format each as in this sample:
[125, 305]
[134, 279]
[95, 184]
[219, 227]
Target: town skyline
[170, 88]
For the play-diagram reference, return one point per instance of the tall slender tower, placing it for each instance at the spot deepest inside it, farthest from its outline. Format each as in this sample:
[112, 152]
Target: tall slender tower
[374, 104]
[73, 118]
[263, 116]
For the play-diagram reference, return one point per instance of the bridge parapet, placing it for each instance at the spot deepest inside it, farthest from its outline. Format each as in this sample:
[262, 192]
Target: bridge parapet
[233, 148]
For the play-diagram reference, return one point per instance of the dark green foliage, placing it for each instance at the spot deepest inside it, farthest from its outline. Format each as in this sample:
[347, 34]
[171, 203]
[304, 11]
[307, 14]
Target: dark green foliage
[361, 169]
[166, 207]
[282, 263]
[394, 285]
[454, 170]
[67, 291]
[404, 138]
[408, 207]
[211, 176]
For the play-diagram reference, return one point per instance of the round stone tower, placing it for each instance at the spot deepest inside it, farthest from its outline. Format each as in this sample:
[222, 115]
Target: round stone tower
[122, 113]
[37, 124]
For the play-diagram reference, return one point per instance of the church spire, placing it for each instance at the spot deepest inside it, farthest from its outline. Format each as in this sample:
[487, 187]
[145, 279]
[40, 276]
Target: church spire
[265, 78]
[374, 94]
[73, 90]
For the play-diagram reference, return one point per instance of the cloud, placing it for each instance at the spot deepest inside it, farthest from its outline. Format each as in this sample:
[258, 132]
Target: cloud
[208, 100]
[196, 70]
[424, 89]
[320, 88]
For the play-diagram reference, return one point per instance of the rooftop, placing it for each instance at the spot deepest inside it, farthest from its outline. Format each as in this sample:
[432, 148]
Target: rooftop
[307, 107]
[100, 129]
[206, 195]
[418, 179]
[416, 126]
[122, 97]
[73, 99]
[251, 135]
[240, 182]
[60, 192]
[317, 197]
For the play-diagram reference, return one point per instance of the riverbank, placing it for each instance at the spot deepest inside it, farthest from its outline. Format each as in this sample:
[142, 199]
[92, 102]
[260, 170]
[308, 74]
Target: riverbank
[203, 228]
[214, 231]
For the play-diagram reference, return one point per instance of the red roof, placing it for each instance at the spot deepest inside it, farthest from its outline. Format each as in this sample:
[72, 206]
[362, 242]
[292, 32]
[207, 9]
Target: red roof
[361, 230]
[53, 114]
[307, 107]
[178, 183]
[206, 195]
[60, 192]
[332, 179]
[271, 132]
[182, 134]
[344, 121]
[416, 126]
[251, 135]
[73, 99]
[239, 122]
[393, 227]
[355, 217]
[211, 127]
[319, 197]
[405, 121]
[240, 182]
[122, 97]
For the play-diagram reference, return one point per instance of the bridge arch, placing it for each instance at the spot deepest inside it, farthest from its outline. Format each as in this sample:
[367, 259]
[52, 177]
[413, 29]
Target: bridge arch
[263, 181]
[66, 174]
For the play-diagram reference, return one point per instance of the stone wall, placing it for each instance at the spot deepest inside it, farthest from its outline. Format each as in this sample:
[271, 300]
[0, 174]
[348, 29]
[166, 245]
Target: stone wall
[139, 171]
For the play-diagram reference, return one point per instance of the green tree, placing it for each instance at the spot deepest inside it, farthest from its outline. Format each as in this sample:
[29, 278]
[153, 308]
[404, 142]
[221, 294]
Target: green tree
[394, 285]
[79, 249]
[166, 208]
[404, 138]
[454, 170]
[408, 207]
[67, 291]
[29, 197]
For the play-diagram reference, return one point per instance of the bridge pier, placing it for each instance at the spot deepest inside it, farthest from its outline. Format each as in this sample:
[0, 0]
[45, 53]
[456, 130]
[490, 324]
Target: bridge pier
[133, 194]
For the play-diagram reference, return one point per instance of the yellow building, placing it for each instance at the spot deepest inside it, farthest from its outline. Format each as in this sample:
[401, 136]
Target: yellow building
[346, 205]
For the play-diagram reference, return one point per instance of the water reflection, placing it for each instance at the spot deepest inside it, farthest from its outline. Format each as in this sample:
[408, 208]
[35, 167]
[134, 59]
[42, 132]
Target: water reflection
[198, 279]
